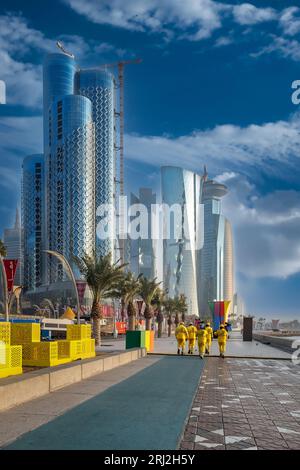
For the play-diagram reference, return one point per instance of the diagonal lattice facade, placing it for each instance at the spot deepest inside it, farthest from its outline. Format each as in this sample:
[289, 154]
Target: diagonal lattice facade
[98, 87]
[71, 183]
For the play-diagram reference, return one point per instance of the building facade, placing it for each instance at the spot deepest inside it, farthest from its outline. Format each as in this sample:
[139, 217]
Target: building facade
[142, 250]
[33, 219]
[79, 160]
[98, 87]
[215, 267]
[70, 182]
[12, 239]
[181, 245]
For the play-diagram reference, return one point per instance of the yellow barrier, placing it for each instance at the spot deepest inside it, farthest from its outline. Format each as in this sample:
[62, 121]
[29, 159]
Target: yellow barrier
[5, 332]
[71, 349]
[22, 333]
[78, 345]
[78, 332]
[10, 360]
[88, 348]
[44, 354]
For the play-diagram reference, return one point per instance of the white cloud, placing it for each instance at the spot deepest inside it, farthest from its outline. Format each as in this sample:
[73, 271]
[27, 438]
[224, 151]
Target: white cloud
[23, 78]
[189, 19]
[289, 21]
[226, 146]
[154, 15]
[248, 14]
[287, 48]
[266, 228]
[223, 41]
[19, 136]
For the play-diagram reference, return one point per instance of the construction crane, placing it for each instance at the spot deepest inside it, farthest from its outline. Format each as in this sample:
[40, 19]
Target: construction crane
[120, 65]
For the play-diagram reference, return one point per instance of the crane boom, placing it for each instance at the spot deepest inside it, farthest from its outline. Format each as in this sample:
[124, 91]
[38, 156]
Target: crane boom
[120, 65]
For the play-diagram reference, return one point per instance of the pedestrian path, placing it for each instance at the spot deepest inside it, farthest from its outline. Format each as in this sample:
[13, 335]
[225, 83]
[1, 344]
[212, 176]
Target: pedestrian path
[235, 347]
[144, 411]
[245, 405]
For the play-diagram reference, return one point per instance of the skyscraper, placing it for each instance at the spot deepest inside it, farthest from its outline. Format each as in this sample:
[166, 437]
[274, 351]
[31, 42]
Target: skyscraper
[12, 240]
[180, 246]
[215, 267]
[33, 219]
[142, 250]
[79, 159]
[70, 181]
[98, 87]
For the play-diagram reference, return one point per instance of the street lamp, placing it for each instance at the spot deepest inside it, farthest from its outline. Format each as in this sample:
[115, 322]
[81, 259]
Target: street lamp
[68, 269]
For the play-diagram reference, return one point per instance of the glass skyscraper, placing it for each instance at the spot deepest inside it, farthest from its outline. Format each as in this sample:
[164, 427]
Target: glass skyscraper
[70, 181]
[98, 87]
[180, 247]
[79, 159]
[33, 220]
[215, 268]
[142, 250]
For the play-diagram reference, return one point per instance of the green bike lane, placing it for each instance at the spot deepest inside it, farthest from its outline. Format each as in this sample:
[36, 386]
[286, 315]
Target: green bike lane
[145, 411]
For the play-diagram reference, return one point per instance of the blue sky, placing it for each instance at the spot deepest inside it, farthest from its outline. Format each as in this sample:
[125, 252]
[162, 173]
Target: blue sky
[214, 87]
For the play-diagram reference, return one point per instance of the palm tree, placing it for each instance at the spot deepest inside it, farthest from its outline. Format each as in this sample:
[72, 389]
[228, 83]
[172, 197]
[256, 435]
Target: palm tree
[182, 306]
[2, 249]
[127, 290]
[102, 277]
[158, 302]
[147, 292]
[169, 305]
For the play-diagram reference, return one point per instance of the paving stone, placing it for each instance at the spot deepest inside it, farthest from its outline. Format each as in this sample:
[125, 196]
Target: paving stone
[248, 407]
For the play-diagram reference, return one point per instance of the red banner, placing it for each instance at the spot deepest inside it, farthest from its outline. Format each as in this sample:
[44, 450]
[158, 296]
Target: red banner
[107, 311]
[81, 286]
[10, 269]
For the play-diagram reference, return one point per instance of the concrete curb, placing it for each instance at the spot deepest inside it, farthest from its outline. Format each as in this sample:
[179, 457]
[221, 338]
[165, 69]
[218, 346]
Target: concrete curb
[19, 389]
[283, 343]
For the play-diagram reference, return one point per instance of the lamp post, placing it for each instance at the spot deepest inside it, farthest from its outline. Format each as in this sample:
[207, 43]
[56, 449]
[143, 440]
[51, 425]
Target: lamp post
[68, 269]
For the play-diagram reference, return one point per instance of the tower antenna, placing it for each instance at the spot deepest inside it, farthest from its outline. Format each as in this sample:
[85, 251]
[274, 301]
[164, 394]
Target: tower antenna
[61, 47]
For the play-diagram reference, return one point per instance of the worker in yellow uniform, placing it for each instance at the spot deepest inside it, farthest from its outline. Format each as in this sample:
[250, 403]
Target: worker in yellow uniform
[222, 338]
[201, 336]
[209, 337]
[181, 335]
[192, 333]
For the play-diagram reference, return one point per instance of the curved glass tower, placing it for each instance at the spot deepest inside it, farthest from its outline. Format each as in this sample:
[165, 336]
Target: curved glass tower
[32, 220]
[180, 246]
[70, 181]
[79, 160]
[98, 87]
[216, 256]
[58, 80]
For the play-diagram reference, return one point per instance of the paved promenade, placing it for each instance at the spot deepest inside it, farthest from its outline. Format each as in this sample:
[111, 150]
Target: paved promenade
[168, 402]
[245, 405]
[235, 347]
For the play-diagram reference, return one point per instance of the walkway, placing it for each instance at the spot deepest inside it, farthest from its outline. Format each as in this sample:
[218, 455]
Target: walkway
[235, 347]
[142, 405]
[245, 404]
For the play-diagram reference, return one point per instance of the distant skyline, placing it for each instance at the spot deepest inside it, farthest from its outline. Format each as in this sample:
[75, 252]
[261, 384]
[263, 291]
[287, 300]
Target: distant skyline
[214, 88]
